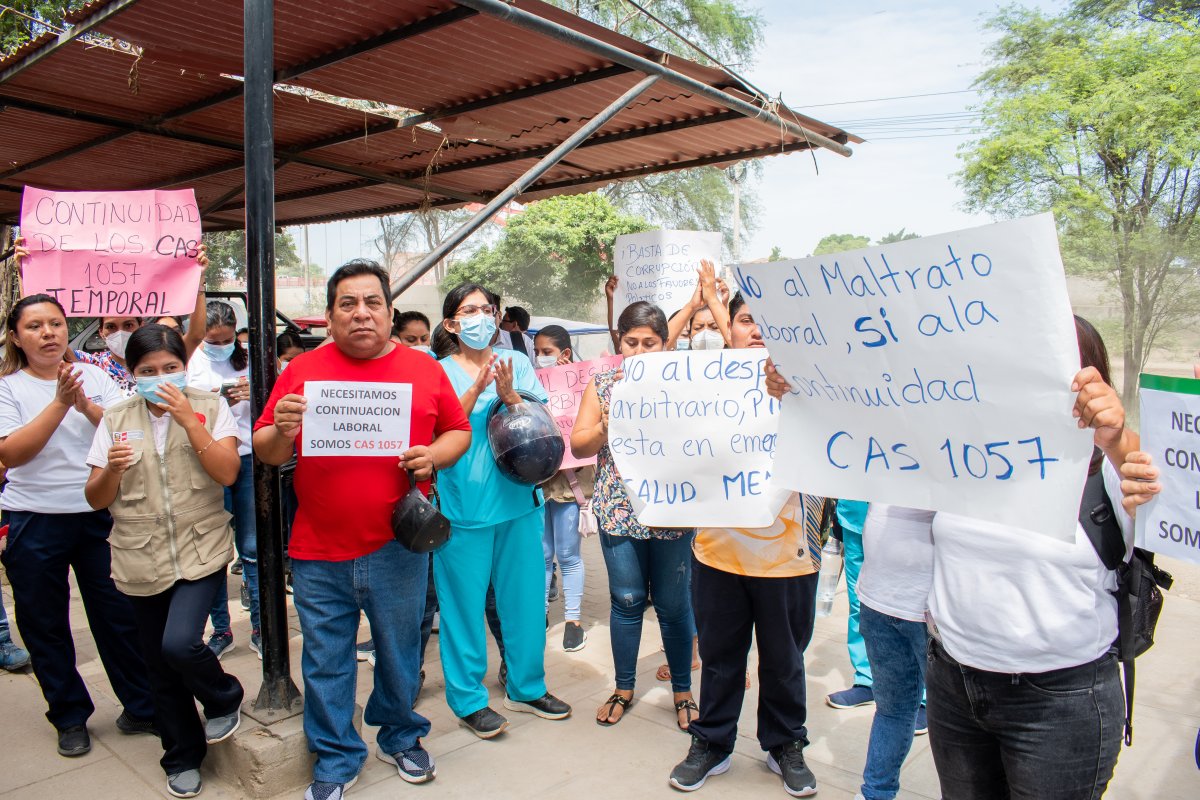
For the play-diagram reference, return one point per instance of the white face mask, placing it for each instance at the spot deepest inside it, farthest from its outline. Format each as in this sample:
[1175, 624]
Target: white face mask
[422, 348]
[116, 342]
[707, 340]
[545, 362]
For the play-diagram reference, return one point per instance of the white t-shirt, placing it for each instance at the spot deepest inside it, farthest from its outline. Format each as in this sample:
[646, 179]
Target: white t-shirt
[52, 483]
[1009, 600]
[204, 373]
[897, 568]
[224, 427]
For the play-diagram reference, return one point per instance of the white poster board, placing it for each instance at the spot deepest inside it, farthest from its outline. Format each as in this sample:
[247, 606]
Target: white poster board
[693, 437]
[1170, 420]
[660, 267]
[931, 373]
[352, 418]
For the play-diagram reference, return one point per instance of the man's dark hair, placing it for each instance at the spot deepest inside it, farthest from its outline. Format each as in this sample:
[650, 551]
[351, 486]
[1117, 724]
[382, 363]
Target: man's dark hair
[354, 268]
[519, 316]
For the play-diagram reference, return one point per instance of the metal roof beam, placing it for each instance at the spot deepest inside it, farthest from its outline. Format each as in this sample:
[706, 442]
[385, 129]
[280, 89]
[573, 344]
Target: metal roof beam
[518, 186]
[546, 27]
[706, 161]
[66, 37]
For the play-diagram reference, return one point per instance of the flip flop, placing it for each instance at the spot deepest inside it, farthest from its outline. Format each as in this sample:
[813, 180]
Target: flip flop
[612, 702]
[689, 706]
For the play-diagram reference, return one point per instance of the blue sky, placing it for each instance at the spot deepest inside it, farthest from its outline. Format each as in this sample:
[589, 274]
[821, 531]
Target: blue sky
[819, 57]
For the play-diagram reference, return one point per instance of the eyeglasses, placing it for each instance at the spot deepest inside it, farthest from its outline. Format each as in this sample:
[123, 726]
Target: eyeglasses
[470, 311]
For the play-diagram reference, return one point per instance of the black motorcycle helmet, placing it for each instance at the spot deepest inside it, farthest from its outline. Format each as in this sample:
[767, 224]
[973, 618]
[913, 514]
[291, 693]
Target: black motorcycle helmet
[525, 440]
[416, 523]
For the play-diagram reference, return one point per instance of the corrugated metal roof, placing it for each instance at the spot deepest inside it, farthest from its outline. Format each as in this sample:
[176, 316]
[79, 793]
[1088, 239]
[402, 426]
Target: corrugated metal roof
[167, 111]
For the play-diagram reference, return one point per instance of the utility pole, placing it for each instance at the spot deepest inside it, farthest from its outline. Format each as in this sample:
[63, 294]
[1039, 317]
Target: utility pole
[737, 176]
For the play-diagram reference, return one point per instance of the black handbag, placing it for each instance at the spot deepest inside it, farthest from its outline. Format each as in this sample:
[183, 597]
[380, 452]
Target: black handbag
[416, 522]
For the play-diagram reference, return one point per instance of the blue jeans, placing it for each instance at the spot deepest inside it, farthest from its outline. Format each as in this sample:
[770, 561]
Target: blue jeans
[562, 539]
[1048, 735]
[5, 636]
[239, 501]
[389, 585]
[658, 568]
[897, 649]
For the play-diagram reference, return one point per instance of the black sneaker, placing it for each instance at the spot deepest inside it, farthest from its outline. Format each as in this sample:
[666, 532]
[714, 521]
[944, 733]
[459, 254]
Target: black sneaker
[702, 761]
[244, 595]
[574, 637]
[131, 726]
[484, 723]
[74, 741]
[788, 763]
[553, 594]
[547, 706]
[236, 568]
[502, 676]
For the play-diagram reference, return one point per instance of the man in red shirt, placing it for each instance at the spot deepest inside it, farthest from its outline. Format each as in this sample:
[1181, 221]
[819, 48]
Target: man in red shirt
[349, 477]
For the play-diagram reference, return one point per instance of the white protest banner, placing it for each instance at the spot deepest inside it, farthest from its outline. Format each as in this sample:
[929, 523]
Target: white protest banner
[128, 254]
[356, 418]
[1170, 419]
[660, 267]
[931, 373]
[565, 384]
[693, 436]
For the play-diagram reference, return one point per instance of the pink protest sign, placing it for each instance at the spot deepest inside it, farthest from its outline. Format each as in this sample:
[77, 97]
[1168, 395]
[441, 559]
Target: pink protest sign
[126, 254]
[565, 386]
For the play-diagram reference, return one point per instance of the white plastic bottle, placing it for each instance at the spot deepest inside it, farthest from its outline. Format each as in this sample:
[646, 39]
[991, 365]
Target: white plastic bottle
[831, 573]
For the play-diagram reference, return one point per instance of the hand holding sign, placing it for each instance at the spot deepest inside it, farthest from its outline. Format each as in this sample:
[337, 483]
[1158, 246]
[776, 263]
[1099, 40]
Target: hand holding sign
[113, 253]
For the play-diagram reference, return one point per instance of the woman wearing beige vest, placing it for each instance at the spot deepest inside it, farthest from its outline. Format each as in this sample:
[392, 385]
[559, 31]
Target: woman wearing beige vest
[160, 462]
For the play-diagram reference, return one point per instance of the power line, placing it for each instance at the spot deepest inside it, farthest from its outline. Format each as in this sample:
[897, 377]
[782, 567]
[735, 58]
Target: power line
[882, 99]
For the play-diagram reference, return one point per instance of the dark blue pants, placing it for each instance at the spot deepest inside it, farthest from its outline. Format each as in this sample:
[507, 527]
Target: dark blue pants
[41, 549]
[182, 669]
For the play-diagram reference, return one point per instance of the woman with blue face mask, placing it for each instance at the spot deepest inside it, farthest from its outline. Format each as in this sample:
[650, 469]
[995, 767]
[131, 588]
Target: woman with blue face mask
[166, 454]
[223, 365]
[496, 533]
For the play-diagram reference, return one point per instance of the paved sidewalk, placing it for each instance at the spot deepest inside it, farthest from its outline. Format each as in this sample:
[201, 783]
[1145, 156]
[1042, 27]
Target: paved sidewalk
[576, 758]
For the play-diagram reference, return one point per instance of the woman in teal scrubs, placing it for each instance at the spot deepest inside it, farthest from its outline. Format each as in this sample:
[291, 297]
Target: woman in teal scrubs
[496, 533]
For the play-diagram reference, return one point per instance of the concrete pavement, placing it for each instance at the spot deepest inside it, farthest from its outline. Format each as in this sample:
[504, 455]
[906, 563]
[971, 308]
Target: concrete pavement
[575, 757]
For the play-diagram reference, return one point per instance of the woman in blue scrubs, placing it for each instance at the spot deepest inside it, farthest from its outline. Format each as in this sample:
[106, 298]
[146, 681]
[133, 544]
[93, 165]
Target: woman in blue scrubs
[496, 537]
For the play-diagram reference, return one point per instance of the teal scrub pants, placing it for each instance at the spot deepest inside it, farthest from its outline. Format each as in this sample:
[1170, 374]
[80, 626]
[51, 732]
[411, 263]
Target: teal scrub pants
[857, 648]
[509, 555]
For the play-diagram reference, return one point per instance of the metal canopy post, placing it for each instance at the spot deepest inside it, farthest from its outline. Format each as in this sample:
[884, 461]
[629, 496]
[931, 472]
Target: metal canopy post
[520, 185]
[546, 27]
[279, 694]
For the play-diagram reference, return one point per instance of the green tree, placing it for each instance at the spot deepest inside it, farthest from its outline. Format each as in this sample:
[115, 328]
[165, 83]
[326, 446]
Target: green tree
[1099, 122]
[554, 256]
[837, 242]
[22, 20]
[898, 236]
[777, 254]
[728, 30]
[227, 257]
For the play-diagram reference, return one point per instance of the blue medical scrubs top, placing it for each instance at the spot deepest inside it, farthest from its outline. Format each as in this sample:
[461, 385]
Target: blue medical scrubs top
[852, 514]
[474, 492]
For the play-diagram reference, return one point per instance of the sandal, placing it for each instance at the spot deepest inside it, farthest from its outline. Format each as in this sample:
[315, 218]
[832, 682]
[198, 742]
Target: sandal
[664, 671]
[687, 706]
[612, 702]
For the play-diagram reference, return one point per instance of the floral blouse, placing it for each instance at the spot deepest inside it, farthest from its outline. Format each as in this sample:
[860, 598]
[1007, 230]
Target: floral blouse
[105, 361]
[610, 503]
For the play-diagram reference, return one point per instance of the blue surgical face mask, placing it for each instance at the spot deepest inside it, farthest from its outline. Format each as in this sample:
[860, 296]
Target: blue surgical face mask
[219, 352]
[146, 386]
[476, 332]
[682, 343]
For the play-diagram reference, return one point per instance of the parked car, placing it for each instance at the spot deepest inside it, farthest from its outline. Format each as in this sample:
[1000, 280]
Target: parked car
[89, 339]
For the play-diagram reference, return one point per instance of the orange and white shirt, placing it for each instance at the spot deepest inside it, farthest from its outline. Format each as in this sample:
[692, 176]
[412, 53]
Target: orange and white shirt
[789, 547]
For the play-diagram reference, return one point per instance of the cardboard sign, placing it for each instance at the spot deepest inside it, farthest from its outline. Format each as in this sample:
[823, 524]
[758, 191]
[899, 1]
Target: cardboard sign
[693, 435]
[126, 254]
[931, 373]
[349, 418]
[565, 385]
[660, 267]
[1170, 522]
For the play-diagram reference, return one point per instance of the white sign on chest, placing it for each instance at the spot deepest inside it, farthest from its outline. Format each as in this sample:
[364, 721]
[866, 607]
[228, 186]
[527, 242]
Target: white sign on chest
[349, 418]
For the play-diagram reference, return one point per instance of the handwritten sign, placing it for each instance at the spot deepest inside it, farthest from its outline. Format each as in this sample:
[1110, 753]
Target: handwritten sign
[1170, 419]
[565, 385]
[348, 418]
[932, 373]
[693, 436]
[128, 254]
[660, 267]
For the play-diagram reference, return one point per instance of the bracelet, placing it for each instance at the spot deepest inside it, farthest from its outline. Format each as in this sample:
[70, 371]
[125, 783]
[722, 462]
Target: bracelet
[211, 442]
